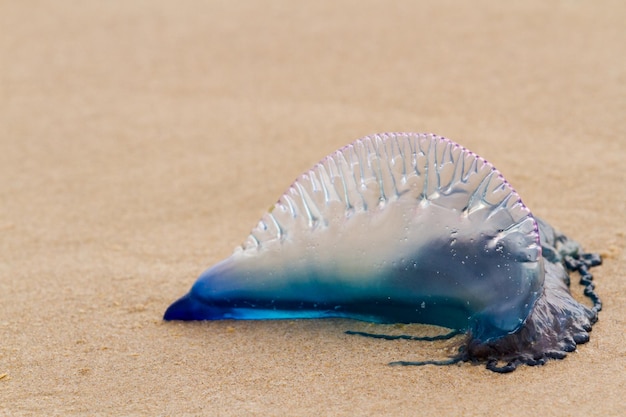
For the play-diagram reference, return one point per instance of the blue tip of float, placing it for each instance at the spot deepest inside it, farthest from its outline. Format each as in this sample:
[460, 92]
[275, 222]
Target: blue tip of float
[187, 307]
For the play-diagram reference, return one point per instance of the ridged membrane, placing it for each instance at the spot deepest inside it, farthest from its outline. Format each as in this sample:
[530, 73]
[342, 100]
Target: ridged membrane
[374, 172]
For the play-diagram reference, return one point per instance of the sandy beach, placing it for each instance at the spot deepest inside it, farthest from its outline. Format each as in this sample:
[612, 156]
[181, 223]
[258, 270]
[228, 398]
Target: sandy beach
[141, 141]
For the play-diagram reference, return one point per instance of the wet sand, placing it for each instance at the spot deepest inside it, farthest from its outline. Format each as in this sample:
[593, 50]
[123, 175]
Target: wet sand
[141, 141]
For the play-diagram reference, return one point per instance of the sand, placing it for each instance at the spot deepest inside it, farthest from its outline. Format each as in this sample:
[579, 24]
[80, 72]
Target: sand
[140, 141]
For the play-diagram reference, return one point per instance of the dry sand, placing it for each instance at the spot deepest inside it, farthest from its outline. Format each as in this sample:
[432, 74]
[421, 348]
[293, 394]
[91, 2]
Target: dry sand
[141, 140]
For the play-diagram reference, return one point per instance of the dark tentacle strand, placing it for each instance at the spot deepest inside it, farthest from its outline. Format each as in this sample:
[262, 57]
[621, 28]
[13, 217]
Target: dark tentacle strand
[460, 357]
[450, 361]
[492, 365]
[582, 263]
[406, 337]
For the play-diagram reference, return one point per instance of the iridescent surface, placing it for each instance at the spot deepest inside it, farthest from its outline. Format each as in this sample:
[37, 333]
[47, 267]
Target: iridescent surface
[392, 228]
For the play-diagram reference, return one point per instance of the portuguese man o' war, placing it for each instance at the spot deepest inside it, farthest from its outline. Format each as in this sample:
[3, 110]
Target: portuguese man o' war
[408, 228]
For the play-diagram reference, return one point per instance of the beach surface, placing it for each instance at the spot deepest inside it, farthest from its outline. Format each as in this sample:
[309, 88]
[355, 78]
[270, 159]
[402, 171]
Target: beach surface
[140, 142]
